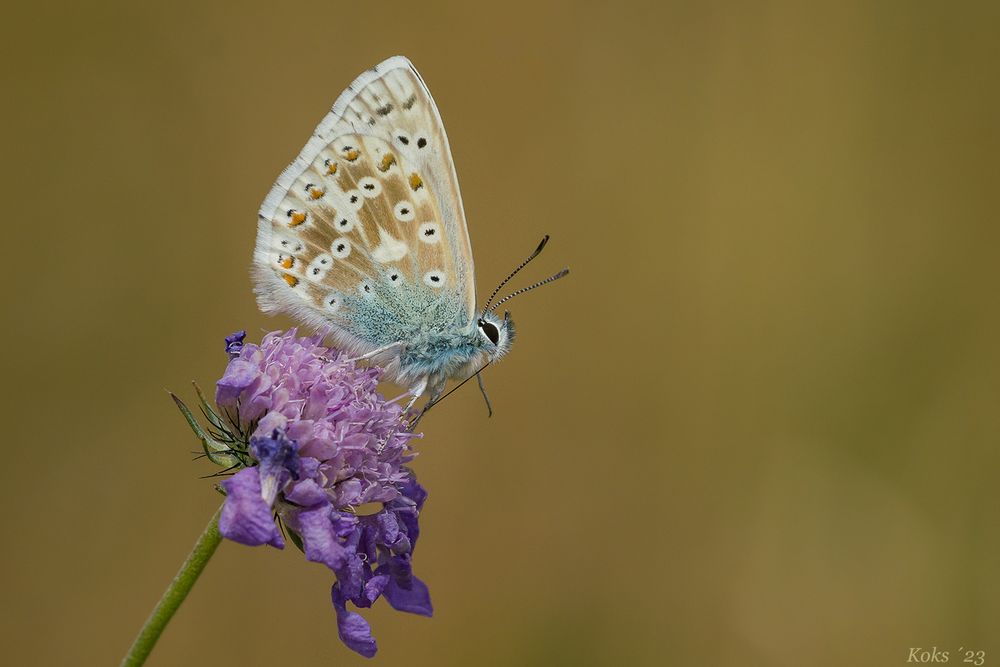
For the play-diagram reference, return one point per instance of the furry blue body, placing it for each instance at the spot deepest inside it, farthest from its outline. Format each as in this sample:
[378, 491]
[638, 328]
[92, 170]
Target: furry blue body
[430, 337]
[444, 354]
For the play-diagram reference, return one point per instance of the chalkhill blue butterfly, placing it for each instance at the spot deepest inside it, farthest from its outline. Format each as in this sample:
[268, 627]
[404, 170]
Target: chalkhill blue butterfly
[364, 235]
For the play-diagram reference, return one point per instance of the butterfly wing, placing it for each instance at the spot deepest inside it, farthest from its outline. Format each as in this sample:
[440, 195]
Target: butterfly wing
[364, 233]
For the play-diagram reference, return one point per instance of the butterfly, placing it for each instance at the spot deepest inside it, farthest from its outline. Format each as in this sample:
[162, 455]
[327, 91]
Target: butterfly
[364, 236]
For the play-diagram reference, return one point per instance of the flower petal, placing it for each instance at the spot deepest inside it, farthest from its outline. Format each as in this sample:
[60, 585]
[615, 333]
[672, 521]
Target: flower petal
[374, 587]
[307, 493]
[240, 374]
[353, 629]
[245, 517]
[415, 599]
[320, 537]
[270, 422]
[234, 343]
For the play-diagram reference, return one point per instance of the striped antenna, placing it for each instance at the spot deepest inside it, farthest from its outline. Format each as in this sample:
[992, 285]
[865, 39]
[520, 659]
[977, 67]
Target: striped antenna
[514, 273]
[548, 280]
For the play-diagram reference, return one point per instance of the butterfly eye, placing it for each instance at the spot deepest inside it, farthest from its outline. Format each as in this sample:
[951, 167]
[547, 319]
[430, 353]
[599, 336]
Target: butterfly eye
[490, 331]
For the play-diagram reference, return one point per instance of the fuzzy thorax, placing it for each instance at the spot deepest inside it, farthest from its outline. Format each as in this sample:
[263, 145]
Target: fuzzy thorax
[444, 355]
[440, 354]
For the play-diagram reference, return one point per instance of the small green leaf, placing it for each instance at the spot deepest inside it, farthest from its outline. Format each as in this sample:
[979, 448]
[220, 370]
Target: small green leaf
[216, 451]
[213, 417]
[295, 538]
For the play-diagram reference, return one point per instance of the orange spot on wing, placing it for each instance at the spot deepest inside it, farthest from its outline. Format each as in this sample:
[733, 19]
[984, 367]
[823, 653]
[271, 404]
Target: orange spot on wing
[287, 262]
[352, 154]
[387, 161]
[331, 168]
[297, 218]
[415, 182]
[290, 279]
[316, 193]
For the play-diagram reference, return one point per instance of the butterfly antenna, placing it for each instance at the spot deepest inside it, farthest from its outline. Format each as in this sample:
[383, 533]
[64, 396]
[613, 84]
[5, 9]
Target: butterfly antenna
[513, 273]
[548, 280]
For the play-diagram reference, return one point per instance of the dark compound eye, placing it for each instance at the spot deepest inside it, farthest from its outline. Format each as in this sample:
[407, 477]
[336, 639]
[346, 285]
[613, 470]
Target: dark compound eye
[490, 330]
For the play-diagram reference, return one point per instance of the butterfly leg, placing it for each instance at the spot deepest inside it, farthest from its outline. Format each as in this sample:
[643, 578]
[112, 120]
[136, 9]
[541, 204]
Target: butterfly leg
[427, 406]
[416, 391]
[434, 386]
[375, 353]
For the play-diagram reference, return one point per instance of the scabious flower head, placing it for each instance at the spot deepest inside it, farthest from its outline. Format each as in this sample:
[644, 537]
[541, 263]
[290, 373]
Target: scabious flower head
[313, 441]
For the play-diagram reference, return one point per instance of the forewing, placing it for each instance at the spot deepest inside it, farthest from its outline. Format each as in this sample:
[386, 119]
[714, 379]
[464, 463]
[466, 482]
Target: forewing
[364, 232]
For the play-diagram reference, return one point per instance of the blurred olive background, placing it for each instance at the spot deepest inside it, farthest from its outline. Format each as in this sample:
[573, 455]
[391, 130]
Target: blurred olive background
[757, 424]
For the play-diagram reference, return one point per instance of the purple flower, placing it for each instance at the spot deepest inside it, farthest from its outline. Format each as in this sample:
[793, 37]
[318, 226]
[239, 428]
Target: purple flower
[246, 517]
[319, 441]
[234, 343]
[278, 462]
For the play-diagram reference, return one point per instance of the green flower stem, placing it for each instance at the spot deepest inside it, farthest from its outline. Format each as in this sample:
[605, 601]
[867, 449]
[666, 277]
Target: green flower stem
[175, 593]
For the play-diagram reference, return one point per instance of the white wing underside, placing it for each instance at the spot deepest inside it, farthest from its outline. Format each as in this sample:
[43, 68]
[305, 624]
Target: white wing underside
[364, 232]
